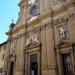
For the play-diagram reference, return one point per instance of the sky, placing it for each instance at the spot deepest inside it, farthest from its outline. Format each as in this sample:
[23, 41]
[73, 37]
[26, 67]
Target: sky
[9, 10]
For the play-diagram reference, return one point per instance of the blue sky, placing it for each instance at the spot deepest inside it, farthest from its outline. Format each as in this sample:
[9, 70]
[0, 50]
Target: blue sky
[9, 10]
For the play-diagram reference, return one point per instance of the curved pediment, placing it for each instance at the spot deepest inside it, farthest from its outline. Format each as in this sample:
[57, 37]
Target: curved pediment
[63, 44]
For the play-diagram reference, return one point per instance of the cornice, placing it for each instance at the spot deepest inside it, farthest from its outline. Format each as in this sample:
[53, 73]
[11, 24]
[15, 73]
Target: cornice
[42, 16]
[22, 3]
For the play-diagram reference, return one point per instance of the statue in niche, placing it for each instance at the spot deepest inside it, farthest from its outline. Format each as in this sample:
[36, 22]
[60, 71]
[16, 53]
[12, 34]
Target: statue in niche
[13, 45]
[62, 31]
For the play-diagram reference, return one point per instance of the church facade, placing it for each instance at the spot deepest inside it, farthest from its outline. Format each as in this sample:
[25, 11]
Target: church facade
[42, 42]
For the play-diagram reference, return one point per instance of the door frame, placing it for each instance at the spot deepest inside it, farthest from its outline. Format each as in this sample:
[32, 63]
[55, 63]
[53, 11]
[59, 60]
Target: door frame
[28, 61]
[64, 55]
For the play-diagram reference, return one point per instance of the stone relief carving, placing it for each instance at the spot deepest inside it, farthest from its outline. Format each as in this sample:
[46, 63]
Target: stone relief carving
[32, 39]
[60, 20]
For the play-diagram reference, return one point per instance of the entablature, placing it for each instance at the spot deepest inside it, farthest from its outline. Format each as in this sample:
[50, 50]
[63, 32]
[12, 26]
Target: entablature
[42, 16]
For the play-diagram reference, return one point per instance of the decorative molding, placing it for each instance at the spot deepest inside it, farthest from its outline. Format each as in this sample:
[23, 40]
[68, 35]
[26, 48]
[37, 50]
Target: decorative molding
[51, 67]
[32, 40]
[12, 58]
[63, 44]
[31, 50]
[56, 22]
[60, 20]
[42, 17]
[62, 1]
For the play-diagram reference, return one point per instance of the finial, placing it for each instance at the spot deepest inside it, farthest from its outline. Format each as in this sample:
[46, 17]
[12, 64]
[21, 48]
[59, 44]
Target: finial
[12, 21]
[12, 24]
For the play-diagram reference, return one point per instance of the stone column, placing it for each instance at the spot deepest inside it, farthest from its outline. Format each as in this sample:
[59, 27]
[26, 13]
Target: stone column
[16, 68]
[48, 57]
[50, 50]
[44, 49]
[59, 61]
[21, 56]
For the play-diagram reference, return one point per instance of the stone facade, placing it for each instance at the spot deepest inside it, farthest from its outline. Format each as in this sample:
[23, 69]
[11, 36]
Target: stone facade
[42, 42]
